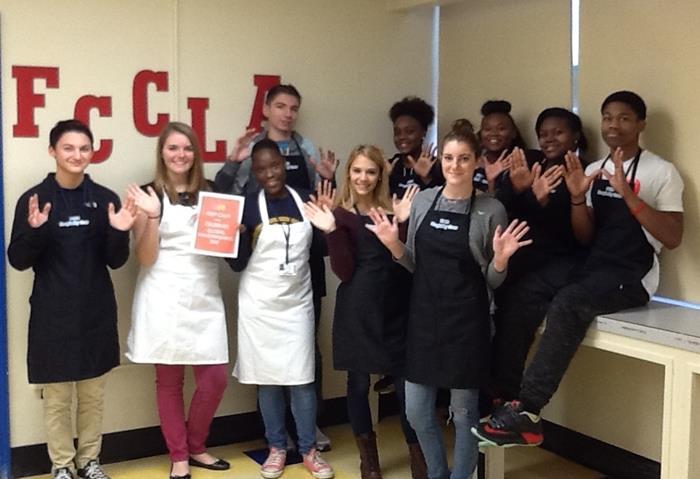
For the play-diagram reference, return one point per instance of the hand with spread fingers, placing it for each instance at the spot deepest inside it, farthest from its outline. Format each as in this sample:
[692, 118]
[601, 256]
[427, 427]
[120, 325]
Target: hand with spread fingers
[320, 216]
[386, 230]
[520, 175]
[543, 184]
[37, 217]
[390, 165]
[326, 165]
[507, 241]
[124, 219]
[325, 194]
[577, 182]
[617, 179]
[494, 169]
[148, 203]
[402, 207]
[241, 146]
[424, 164]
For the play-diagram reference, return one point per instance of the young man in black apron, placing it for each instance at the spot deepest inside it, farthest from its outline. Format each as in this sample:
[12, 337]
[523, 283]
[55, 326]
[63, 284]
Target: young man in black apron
[304, 169]
[626, 206]
[66, 229]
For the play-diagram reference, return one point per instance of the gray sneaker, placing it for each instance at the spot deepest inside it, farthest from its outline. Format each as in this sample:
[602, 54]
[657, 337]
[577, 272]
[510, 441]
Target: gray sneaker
[323, 442]
[62, 473]
[92, 470]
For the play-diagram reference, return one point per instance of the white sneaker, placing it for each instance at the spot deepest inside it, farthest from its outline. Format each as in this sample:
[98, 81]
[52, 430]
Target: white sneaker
[323, 442]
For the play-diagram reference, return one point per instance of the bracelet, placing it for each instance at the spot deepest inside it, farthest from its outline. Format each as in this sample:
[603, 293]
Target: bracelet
[579, 203]
[153, 217]
[640, 206]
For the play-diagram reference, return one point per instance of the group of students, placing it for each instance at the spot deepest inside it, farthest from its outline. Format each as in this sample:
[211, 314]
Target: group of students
[449, 259]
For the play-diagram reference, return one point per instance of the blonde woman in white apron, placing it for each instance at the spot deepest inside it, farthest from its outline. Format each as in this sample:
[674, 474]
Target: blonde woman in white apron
[275, 312]
[178, 315]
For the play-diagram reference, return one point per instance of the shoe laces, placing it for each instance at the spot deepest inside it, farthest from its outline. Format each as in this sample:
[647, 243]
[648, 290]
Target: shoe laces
[506, 415]
[276, 458]
[63, 473]
[94, 471]
[314, 459]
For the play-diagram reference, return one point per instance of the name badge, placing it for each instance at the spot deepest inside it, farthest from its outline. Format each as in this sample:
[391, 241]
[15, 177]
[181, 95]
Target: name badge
[287, 269]
[290, 166]
[444, 224]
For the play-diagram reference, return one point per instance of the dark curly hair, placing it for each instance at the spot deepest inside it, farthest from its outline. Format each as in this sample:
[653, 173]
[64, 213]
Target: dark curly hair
[502, 107]
[416, 108]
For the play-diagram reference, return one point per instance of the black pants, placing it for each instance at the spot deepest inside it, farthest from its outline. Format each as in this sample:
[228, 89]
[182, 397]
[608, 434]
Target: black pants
[317, 355]
[359, 412]
[521, 307]
[572, 311]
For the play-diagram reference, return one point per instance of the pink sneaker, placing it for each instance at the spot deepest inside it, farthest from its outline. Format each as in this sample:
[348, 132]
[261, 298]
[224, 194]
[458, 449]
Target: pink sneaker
[273, 467]
[317, 466]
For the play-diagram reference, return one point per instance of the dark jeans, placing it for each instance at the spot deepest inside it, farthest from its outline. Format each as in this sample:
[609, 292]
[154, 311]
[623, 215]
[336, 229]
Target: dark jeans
[521, 307]
[572, 311]
[358, 405]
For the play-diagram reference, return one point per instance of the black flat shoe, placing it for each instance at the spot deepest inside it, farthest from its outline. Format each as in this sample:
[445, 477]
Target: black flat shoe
[218, 465]
[186, 476]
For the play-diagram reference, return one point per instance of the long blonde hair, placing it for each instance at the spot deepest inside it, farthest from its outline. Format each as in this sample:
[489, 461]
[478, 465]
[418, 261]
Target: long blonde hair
[195, 177]
[380, 194]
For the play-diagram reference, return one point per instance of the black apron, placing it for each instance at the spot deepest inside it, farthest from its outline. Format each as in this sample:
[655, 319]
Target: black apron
[296, 169]
[73, 320]
[620, 252]
[371, 311]
[448, 330]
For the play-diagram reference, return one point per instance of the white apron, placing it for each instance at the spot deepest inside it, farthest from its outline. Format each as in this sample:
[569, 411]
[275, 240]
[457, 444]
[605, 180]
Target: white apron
[178, 314]
[275, 311]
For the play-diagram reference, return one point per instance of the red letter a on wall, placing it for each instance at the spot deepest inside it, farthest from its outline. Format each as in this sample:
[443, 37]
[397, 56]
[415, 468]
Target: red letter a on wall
[263, 83]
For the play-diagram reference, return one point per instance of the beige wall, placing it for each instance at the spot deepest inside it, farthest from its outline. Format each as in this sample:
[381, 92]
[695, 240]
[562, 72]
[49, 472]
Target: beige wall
[503, 50]
[350, 60]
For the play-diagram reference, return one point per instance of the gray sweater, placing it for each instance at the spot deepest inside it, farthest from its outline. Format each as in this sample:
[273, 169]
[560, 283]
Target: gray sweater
[488, 212]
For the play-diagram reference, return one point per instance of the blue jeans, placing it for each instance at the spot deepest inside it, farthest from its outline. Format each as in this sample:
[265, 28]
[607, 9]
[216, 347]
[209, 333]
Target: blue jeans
[272, 407]
[464, 412]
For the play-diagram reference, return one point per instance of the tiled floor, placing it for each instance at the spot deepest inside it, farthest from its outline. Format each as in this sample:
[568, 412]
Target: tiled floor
[521, 463]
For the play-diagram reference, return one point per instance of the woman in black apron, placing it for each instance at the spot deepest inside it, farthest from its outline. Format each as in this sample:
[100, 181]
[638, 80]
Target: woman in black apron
[369, 327]
[535, 274]
[459, 249]
[498, 135]
[414, 163]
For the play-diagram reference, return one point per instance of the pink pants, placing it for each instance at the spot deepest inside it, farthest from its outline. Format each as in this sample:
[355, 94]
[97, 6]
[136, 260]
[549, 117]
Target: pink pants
[185, 437]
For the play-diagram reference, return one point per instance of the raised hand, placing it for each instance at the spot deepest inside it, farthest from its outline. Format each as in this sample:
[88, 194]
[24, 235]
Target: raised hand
[241, 146]
[402, 207]
[520, 175]
[507, 242]
[320, 216]
[35, 216]
[494, 169]
[325, 194]
[576, 180]
[327, 164]
[617, 179]
[390, 165]
[542, 184]
[424, 164]
[124, 220]
[386, 230]
[146, 202]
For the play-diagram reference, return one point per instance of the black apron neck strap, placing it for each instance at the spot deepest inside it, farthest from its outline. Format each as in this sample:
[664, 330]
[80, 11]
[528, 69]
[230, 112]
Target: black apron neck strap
[632, 167]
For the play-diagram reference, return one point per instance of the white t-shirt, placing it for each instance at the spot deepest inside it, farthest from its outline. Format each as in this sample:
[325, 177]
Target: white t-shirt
[660, 186]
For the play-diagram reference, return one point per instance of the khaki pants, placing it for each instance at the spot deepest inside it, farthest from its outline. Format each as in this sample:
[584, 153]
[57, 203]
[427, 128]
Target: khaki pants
[58, 407]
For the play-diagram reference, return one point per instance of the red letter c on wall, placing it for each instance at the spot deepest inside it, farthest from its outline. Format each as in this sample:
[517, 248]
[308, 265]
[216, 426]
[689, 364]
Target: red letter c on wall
[140, 101]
